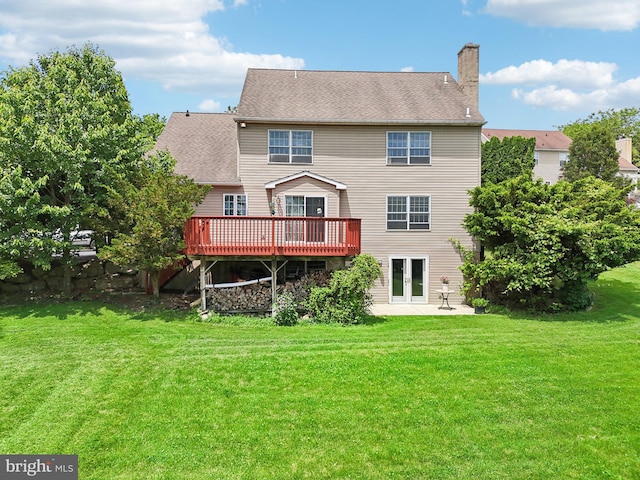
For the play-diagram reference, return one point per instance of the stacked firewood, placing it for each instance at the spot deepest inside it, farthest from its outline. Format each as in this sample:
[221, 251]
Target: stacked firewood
[300, 288]
[257, 297]
[246, 298]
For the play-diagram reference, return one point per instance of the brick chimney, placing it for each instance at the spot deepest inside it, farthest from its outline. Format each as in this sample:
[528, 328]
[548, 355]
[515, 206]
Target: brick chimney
[625, 149]
[468, 72]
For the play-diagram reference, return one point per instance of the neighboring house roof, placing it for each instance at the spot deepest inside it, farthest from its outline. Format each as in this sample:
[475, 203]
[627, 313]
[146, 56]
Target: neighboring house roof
[305, 173]
[200, 141]
[334, 97]
[626, 165]
[545, 139]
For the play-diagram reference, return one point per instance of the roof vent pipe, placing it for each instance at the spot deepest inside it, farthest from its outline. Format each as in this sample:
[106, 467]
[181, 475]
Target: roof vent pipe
[446, 80]
[468, 114]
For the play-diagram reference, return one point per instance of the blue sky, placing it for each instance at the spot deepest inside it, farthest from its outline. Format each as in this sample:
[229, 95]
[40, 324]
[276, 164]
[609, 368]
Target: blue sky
[543, 63]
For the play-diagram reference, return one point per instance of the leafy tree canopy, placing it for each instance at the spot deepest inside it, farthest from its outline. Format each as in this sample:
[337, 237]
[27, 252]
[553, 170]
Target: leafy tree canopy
[66, 126]
[593, 153]
[156, 211]
[150, 126]
[21, 234]
[545, 242]
[509, 158]
[623, 123]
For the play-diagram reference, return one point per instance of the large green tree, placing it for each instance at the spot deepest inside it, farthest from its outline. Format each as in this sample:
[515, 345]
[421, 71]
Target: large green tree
[507, 158]
[21, 209]
[66, 125]
[621, 123]
[150, 126]
[543, 243]
[592, 153]
[155, 211]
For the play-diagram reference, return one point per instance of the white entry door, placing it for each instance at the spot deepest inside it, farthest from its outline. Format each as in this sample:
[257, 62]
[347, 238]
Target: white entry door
[408, 279]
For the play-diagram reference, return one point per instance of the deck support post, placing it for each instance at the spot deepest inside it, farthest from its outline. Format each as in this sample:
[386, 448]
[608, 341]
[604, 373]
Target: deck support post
[274, 276]
[203, 284]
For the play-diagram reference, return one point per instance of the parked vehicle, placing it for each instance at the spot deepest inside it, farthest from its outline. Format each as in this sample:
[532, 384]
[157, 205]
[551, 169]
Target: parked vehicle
[79, 238]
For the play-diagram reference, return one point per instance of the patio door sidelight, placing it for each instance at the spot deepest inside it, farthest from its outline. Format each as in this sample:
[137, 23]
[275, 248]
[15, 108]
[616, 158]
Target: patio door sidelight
[408, 279]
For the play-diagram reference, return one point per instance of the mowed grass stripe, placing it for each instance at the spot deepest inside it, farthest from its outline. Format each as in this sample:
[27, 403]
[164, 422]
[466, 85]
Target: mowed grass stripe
[495, 396]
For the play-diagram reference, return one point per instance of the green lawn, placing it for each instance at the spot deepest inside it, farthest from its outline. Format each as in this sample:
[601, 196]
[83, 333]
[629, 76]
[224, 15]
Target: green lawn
[149, 396]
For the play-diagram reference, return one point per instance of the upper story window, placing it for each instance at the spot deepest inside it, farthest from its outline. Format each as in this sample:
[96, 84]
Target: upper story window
[409, 212]
[409, 148]
[235, 204]
[290, 146]
[536, 158]
[563, 158]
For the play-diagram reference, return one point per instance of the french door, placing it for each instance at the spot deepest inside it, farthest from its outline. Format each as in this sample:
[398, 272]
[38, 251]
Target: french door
[408, 279]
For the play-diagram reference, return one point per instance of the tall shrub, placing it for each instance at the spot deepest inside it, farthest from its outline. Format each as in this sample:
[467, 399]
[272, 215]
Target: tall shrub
[544, 243]
[285, 310]
[347, 298]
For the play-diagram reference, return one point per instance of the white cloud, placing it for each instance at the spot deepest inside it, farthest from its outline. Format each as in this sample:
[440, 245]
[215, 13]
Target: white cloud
[574, 73]
[407, 69]
[622, 15]
[165, 42]
[566, 85]
[465, 11]
[618, 96]
[209, 105]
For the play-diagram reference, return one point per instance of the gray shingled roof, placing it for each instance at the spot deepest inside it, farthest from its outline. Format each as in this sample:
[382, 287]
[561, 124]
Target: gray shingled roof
[545, 139]
[204, 145]
[354, 97]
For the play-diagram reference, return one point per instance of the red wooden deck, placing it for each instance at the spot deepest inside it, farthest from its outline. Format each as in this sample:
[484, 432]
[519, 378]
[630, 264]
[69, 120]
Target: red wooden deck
[267, 236]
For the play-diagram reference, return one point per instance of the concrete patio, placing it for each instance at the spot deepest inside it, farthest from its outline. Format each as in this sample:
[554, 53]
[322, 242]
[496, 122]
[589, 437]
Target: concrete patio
[382, 310]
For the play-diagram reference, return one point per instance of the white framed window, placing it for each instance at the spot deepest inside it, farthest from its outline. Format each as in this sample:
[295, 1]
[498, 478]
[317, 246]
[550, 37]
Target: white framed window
[563, 158]
[235, 204]
[536, 158]
[294, 205]
[290, 146]
[408, 148]
[410, 212]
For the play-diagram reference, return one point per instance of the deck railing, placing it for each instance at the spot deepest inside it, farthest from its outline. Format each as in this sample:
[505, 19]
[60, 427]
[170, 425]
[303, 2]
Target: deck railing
[266, 236]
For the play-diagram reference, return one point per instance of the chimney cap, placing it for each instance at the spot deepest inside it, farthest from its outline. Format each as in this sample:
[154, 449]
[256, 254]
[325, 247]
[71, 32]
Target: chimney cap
[468, 45]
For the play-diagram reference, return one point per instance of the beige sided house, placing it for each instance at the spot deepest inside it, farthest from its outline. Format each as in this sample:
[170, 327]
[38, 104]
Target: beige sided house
[551, 151]
[318, 166]
[627, 169]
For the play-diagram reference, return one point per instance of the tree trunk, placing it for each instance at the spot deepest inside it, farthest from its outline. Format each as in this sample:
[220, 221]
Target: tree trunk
[155, 284]
[66, 279]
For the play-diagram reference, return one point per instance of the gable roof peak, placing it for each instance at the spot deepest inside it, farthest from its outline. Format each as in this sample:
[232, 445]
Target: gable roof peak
[308, 174]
